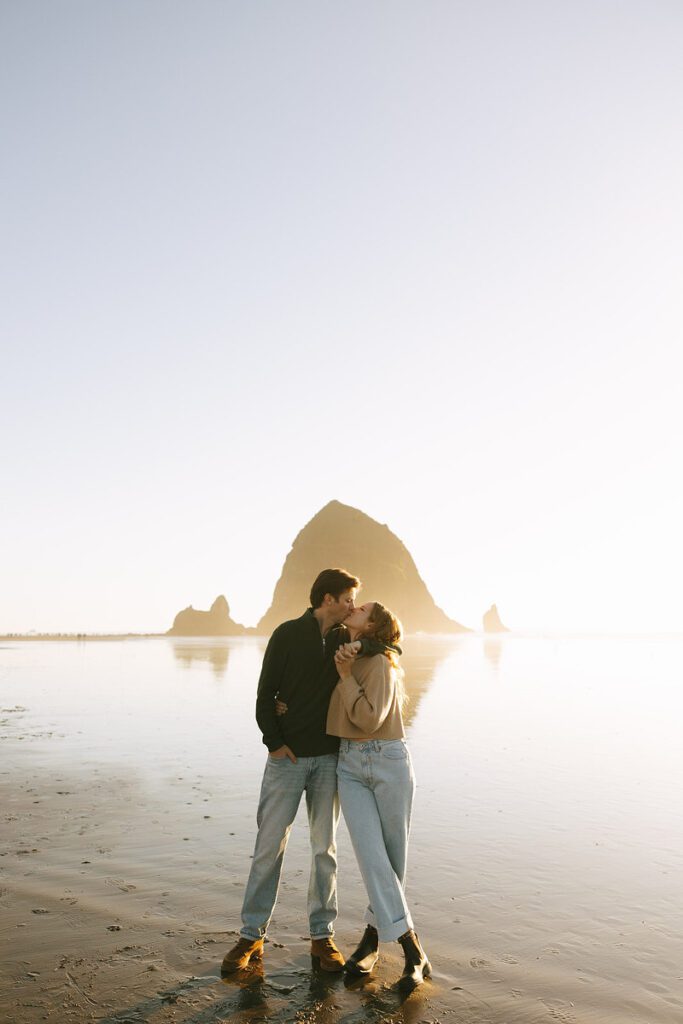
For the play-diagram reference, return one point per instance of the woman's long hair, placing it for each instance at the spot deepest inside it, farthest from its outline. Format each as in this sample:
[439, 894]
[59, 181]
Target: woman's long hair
[385, 627]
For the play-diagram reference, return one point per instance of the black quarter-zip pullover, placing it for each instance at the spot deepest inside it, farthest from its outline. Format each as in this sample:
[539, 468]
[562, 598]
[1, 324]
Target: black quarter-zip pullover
[299, 667]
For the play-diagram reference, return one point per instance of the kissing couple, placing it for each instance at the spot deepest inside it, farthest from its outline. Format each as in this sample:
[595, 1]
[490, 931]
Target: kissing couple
[329, 707]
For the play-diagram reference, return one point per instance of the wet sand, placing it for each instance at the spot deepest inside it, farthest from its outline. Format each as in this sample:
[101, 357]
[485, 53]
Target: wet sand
[127, 832]
[112, 912]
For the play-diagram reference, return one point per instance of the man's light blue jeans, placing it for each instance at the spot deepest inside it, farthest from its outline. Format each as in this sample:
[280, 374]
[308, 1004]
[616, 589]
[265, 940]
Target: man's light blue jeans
[376, 788]
[283, 785]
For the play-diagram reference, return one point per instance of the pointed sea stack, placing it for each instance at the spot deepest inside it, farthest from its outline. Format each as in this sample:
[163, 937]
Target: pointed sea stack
[492, 623]
[342, 536]
[215, 622]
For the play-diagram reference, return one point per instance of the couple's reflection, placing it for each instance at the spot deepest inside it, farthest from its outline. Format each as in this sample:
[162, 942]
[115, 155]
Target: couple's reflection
[317, 995]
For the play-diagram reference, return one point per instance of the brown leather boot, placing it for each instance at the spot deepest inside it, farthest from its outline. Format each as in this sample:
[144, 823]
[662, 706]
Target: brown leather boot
[364, 958]
[329, 957]
[244, 950]
[417, 966]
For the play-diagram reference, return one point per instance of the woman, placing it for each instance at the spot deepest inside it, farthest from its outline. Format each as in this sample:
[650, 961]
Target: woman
[376, 783]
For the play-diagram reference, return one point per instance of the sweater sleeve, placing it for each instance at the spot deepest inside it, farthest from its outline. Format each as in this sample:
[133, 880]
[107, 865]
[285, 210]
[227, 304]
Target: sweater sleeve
[268, 685]
[367, 704]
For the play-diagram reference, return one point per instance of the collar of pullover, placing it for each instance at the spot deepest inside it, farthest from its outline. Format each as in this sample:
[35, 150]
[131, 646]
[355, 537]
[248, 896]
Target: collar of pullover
[309, 616]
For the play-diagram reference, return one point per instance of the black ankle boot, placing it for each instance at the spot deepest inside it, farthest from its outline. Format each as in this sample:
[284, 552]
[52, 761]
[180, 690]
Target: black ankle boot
[417, 966]
[363, 959]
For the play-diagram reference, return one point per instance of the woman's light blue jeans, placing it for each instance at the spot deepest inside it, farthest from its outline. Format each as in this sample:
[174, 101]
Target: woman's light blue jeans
[284, 783]
[376, 787]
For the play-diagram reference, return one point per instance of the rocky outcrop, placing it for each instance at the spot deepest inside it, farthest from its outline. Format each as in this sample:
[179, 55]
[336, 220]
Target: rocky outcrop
[340, 535]
[215, 622]
[492, 623]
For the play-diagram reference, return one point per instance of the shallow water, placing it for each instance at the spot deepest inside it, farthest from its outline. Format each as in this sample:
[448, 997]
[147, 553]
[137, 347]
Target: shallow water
[546, 862]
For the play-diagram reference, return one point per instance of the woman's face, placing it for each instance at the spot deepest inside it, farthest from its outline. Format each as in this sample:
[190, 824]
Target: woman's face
[360, 616]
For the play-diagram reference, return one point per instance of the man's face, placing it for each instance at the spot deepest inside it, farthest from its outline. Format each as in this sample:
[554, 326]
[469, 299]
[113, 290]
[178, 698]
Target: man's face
[341, 608]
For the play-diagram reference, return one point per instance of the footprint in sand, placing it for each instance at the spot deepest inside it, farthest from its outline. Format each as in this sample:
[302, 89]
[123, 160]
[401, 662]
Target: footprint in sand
[559, 1011]
[479, 962]
[120, 884]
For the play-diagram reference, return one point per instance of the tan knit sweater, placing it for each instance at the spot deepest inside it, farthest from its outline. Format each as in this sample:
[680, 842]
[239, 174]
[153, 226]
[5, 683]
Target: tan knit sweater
[365, 705]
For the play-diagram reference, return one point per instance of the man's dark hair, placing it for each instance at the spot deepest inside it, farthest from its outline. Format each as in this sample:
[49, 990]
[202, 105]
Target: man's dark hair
[334, 582]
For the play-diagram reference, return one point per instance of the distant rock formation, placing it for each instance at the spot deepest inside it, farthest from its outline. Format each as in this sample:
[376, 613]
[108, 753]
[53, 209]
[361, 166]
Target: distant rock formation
[492, 623]
[215, 622]
[340, 535]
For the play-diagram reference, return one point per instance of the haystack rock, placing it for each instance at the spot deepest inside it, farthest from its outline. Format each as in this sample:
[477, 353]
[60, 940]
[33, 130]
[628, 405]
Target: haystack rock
[215, 622]
[492, 623]
[342, 536]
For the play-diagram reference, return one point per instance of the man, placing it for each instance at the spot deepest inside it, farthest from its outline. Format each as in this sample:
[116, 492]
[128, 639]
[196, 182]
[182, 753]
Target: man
[299, 668]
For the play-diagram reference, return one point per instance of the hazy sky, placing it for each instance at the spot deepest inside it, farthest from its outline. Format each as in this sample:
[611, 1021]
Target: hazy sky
[425, 258]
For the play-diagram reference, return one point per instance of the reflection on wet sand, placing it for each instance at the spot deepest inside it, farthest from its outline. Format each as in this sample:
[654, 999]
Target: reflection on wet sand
[216, 653]
[422, 658]
[493, 649]
[319, 996]
[418, 662]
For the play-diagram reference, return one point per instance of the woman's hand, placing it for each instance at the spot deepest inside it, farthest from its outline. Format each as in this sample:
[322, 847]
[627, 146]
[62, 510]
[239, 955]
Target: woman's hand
[344, 660]
[280, 707]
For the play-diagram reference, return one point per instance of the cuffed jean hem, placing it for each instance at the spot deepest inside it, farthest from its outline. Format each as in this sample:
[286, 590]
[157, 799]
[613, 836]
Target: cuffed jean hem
[392, 932]
[253, 938]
